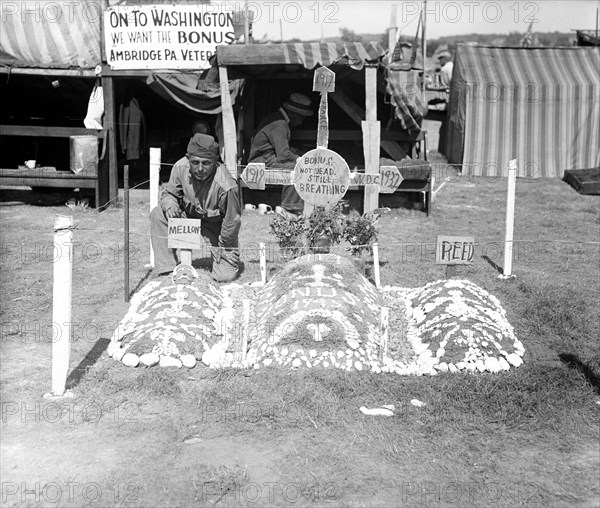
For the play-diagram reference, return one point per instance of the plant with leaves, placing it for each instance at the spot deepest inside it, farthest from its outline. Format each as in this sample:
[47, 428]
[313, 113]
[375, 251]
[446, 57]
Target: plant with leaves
[360, 231]
[324, 222]
[289, 232]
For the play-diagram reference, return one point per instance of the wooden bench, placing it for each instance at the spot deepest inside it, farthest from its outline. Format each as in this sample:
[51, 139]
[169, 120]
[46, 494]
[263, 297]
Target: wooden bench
[90, 178]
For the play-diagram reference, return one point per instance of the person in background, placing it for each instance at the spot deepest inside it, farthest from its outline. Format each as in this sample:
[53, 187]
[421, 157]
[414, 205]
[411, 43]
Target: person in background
[200, 188]
[271, 145]
[446, 67]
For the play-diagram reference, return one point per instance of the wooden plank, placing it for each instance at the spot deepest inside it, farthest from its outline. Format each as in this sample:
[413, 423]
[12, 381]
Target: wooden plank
[357, 114]
[49, 132]
[371, 93]
[56, 73]
[111, 139]
[251, 54]
[347, 135]
[371, 150]
[371, 138]
[352, 109]
[64, 183]
[229, 132]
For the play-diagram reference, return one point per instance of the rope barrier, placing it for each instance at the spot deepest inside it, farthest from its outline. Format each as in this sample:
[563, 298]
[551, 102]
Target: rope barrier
[381, 244]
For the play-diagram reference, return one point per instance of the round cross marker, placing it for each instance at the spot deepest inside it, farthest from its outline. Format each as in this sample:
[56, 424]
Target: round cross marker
[321, 177]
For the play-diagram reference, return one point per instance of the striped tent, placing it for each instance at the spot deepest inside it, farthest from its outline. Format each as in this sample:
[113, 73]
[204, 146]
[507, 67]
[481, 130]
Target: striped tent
[539, 106]
[50, 35]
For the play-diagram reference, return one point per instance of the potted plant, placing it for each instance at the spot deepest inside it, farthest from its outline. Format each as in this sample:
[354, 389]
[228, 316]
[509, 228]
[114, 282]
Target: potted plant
[323, 228]
[360, 232]
[289, 232]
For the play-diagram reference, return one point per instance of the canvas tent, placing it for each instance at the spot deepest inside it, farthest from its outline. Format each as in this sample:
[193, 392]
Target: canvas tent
[50, 55]
[537, 105]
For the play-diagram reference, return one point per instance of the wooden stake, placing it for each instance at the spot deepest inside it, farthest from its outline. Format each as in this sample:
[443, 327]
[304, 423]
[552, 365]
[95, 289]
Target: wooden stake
[61, 303]
[155, 157]
[246, 328]
[126, 231]
[510, 218]
[450, 271]
[263, 262]
[186, 256]
[229, 135]
[376, 264]
[111, 137]
[246, 23]
[392, 31]
[383, 330]
[323, 126]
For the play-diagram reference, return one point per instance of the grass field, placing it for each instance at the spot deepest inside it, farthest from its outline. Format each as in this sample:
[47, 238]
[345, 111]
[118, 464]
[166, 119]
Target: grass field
[275, 437]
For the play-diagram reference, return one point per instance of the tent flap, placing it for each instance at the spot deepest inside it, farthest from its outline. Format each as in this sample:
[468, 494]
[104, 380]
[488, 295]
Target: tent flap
[67, 38]
[192, 92]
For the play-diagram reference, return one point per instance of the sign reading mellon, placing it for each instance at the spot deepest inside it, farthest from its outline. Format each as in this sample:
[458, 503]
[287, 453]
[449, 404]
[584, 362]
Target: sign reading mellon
[185, 234]
[321, 177]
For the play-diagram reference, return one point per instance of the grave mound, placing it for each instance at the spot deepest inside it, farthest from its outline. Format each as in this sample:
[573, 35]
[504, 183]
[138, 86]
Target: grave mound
[172, 323]
[456, 325]
[318, 312]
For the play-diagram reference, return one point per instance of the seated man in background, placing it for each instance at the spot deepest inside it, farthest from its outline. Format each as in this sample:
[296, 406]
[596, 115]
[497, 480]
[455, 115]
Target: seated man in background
[200, 188]
[271, 145]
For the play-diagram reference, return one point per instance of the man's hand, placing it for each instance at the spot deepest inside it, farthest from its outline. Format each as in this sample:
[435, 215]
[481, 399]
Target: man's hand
[172, 213]
[218, 253]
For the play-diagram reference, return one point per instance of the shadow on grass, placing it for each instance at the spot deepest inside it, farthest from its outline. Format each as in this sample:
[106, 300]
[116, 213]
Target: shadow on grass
[493, 264]
[90, 359]
[139, 284]
[572, 361]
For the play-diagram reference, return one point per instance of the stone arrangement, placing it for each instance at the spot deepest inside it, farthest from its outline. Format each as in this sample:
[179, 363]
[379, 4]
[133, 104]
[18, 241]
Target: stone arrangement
[318, 312]
[173, 324]
[455, 325]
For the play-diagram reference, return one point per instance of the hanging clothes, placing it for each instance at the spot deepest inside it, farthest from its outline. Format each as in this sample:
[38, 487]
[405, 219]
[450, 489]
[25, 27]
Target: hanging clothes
[95, 110]
[132, 129]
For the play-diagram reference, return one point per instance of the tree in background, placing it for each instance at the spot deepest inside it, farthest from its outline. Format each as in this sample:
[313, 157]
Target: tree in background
[348, 35]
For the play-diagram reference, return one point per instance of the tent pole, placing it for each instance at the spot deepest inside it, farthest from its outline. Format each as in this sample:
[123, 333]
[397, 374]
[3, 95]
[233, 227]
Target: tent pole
[371, 130]
[392, 31]
[111, 136]
[424, 44]
[229, 133]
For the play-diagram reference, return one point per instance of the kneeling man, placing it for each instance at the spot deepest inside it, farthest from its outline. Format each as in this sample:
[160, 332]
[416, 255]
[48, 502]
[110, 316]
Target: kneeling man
[200, 188]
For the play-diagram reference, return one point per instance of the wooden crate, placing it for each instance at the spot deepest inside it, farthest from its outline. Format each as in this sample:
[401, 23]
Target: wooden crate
[584, 181]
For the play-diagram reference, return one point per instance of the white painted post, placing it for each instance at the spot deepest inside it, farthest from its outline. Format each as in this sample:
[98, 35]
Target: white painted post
[155, 156]
[61, 302]
[263, 262]
[510, 219]
[384, 318]
[186, 256]
[376, 264]
[246, 329]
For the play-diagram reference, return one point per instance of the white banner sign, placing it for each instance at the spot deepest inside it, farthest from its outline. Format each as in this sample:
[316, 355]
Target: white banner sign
[166, 36]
